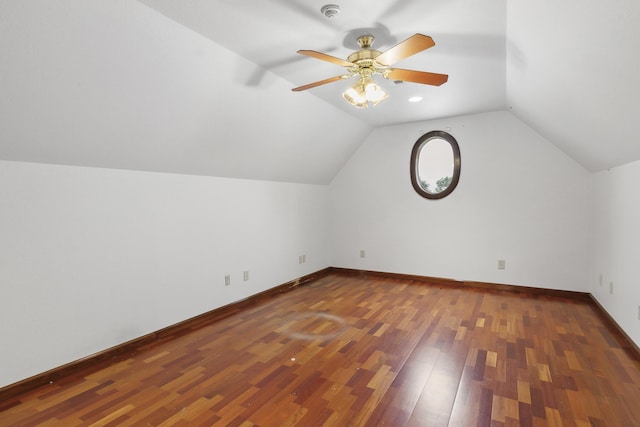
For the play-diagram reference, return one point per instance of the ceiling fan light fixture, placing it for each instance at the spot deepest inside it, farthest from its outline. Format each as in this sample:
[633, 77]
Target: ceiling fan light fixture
[374, 93]
[364, 92]
[356, 96]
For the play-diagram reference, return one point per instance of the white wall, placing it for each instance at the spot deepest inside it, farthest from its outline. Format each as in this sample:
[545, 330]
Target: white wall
[519, 199]
[617, 254]
[90, 258]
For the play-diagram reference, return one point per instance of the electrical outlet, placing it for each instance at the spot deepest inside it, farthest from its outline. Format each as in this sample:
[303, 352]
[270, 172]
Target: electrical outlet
[245, 275]
[600, 279]
[227, 280]
[611, 288]
[300, 259]
[304, 259]
[363, 254]
[501, 264]
[639, 312]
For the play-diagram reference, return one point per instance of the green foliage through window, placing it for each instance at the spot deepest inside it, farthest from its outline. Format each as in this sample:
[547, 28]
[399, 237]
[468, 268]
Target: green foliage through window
[442, 184]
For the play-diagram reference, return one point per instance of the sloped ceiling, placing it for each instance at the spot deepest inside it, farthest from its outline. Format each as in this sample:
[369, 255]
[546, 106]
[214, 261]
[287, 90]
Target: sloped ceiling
[203, 87]
[469, 36]
[115, 84]
[573, 74]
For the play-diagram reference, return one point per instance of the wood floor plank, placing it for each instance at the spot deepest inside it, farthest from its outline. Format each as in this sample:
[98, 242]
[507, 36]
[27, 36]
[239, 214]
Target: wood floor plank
[348, 350]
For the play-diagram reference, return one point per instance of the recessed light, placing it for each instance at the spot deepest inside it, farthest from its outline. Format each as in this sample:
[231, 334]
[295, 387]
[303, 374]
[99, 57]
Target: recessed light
[415, 99]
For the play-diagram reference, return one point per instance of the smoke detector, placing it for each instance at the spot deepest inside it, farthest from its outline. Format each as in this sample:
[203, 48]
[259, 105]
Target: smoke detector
[330, 10]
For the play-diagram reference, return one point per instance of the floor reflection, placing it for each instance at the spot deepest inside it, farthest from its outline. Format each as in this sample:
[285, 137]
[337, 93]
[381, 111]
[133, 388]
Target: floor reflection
[315, 325]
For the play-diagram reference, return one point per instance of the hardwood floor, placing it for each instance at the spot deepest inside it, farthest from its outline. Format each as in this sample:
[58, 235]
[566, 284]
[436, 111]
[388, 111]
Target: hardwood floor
[365, 351]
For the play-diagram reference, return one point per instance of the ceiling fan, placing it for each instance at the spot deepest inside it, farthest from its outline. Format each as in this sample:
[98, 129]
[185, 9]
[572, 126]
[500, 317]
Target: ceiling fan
[367, 62]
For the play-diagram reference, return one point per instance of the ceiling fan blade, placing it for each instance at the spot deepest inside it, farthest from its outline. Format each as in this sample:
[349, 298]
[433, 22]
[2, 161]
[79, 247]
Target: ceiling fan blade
[320, 83]
[423, 77]
[325, 57]
[414, 44]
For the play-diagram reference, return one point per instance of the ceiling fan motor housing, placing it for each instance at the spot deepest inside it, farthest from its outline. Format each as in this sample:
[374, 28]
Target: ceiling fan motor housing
[364, 59]
[364, 56]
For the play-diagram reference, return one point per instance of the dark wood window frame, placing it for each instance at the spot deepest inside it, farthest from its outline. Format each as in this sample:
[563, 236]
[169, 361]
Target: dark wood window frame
[415, 157]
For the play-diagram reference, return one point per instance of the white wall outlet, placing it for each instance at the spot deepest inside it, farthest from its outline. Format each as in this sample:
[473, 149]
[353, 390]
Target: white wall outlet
[501, 264]
[304, 258]
[611, 288]
[639, 312]
[227, 280]
[600, 279]
[363, 254]
[300, 259]
[245, 275]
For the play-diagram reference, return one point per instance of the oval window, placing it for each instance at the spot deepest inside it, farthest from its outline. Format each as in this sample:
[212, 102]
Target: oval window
[435, 164]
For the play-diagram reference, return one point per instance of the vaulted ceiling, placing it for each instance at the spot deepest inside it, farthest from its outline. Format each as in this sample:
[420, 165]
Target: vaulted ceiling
[469, 36]
[203, 87]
